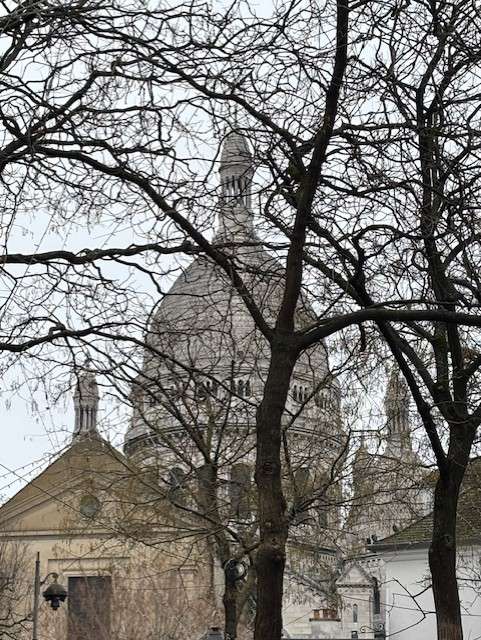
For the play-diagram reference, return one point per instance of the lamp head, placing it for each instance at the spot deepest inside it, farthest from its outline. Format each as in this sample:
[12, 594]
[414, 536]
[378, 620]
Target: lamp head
[55, 594]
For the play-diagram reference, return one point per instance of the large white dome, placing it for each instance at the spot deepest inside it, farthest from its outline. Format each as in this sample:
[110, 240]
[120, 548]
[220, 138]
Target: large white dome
[203, 330]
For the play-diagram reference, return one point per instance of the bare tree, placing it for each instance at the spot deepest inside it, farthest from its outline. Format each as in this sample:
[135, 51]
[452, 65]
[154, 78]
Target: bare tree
[367, 146]
[191, 442]
[15, 592]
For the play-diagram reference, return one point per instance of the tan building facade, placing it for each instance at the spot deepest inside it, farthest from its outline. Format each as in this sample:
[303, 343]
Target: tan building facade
[122, 575]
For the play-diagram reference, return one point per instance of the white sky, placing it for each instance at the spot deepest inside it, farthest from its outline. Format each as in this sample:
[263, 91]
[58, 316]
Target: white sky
[35, 427]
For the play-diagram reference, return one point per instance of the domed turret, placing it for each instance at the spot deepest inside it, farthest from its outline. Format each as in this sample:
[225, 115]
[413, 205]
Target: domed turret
[86, 402]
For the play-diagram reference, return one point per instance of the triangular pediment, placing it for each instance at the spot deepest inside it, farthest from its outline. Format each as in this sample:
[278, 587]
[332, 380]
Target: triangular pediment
[51, 501]
[354, 574]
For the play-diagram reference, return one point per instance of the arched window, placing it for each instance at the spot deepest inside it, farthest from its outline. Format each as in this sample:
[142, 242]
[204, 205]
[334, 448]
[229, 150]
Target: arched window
[248, 389]
[176, 482]
[376, 599]
[354, 613]
[294, 392]
[239, 489]
[240, 388]
[202, 390]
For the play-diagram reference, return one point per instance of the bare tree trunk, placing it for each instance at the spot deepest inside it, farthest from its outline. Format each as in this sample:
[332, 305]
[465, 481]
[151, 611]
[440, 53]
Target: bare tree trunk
[230, 610]
[442, 561]
[442, 552]
[271, 554]
[208, 482]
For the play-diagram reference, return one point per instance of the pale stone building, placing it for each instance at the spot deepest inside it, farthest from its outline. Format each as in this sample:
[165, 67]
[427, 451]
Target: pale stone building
[409, 609]
[389, 488]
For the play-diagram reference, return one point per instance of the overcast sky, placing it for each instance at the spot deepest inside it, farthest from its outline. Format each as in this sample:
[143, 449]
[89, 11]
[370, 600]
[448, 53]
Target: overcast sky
[36, 427]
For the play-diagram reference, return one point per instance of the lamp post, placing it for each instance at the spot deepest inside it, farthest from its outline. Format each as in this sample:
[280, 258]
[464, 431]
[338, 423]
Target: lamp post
[55, 594]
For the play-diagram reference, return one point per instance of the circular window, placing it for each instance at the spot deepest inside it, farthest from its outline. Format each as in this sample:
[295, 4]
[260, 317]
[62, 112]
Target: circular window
[89, 506]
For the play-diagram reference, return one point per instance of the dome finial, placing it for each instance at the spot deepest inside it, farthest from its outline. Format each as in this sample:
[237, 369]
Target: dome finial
[86, 401]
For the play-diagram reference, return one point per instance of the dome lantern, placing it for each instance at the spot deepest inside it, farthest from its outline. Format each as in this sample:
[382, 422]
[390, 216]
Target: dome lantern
[236, 173]
[236, 168]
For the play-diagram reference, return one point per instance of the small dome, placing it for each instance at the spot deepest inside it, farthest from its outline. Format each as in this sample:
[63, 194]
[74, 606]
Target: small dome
[235, 153]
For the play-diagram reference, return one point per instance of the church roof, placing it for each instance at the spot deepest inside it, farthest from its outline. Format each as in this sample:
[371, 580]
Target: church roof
[468, 526]
[354, 574]
[202, 300]
[87, 461]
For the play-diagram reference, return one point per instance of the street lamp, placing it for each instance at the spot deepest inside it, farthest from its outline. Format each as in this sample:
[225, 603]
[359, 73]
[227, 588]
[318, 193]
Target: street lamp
[54, 594]
[234, 570]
